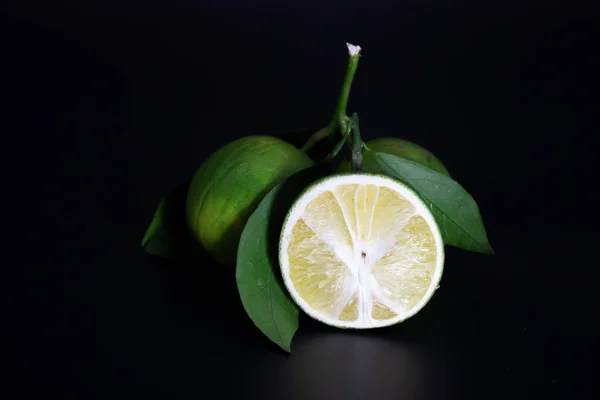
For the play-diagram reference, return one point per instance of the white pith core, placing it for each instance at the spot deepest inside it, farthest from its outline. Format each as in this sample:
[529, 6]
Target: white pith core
[363, 253]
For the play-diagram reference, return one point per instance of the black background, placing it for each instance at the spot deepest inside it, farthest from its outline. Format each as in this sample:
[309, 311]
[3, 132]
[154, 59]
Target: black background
[109, 107]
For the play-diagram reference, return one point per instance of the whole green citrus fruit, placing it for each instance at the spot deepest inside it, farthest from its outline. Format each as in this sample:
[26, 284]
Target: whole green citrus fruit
[230, 184]
[401, 148]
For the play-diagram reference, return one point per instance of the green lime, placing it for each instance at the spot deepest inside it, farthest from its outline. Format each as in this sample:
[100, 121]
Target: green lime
[230, 184]
[401, 148]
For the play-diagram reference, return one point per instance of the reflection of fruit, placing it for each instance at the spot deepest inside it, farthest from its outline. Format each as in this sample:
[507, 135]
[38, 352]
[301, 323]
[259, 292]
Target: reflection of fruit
[360, 251]
[401, 148]
[229, 185]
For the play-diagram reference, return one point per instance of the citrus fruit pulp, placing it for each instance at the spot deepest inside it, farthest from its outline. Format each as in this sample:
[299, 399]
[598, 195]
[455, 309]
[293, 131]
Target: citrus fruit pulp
[401, 148]
[230, 184]
[360, 251]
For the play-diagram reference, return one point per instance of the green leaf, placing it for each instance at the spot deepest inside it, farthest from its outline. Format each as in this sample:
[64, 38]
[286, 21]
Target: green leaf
[168, 235]
[156, 223]
[258, 276]
[455, 211]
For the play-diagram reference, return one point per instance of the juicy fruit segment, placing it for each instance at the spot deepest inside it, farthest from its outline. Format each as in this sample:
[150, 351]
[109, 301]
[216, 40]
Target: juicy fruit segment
[317, 272]
[361, 254]
[230, 184]
[418, 250]
[401, 148]
[350, 311]
[380, 310]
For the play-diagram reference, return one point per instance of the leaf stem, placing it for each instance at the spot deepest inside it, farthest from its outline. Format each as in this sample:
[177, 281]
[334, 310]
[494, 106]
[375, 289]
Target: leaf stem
[317, 137]
[337, 148]
[339, 118]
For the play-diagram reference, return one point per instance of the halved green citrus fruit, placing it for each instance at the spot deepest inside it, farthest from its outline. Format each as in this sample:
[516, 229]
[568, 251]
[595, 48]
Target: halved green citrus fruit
[230, 184]
[401, 148]
[360, 251]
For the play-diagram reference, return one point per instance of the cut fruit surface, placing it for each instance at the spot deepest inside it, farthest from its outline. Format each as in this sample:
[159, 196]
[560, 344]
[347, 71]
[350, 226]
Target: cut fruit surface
[360, 251]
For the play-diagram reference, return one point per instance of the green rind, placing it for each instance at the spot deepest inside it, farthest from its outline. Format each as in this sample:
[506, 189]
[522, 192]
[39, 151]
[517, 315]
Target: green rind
[230, 184]
[280, 250]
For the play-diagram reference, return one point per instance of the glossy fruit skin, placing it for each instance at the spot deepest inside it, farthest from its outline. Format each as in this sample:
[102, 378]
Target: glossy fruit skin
[230, 184]
[401, 148]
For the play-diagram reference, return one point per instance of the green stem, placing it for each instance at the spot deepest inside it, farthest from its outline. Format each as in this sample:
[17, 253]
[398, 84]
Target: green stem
[356, 149]
[339, 118]
[342, 105]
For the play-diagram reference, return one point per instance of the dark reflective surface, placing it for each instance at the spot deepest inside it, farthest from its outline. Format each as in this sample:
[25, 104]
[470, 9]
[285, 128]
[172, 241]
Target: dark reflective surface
[111, 108]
